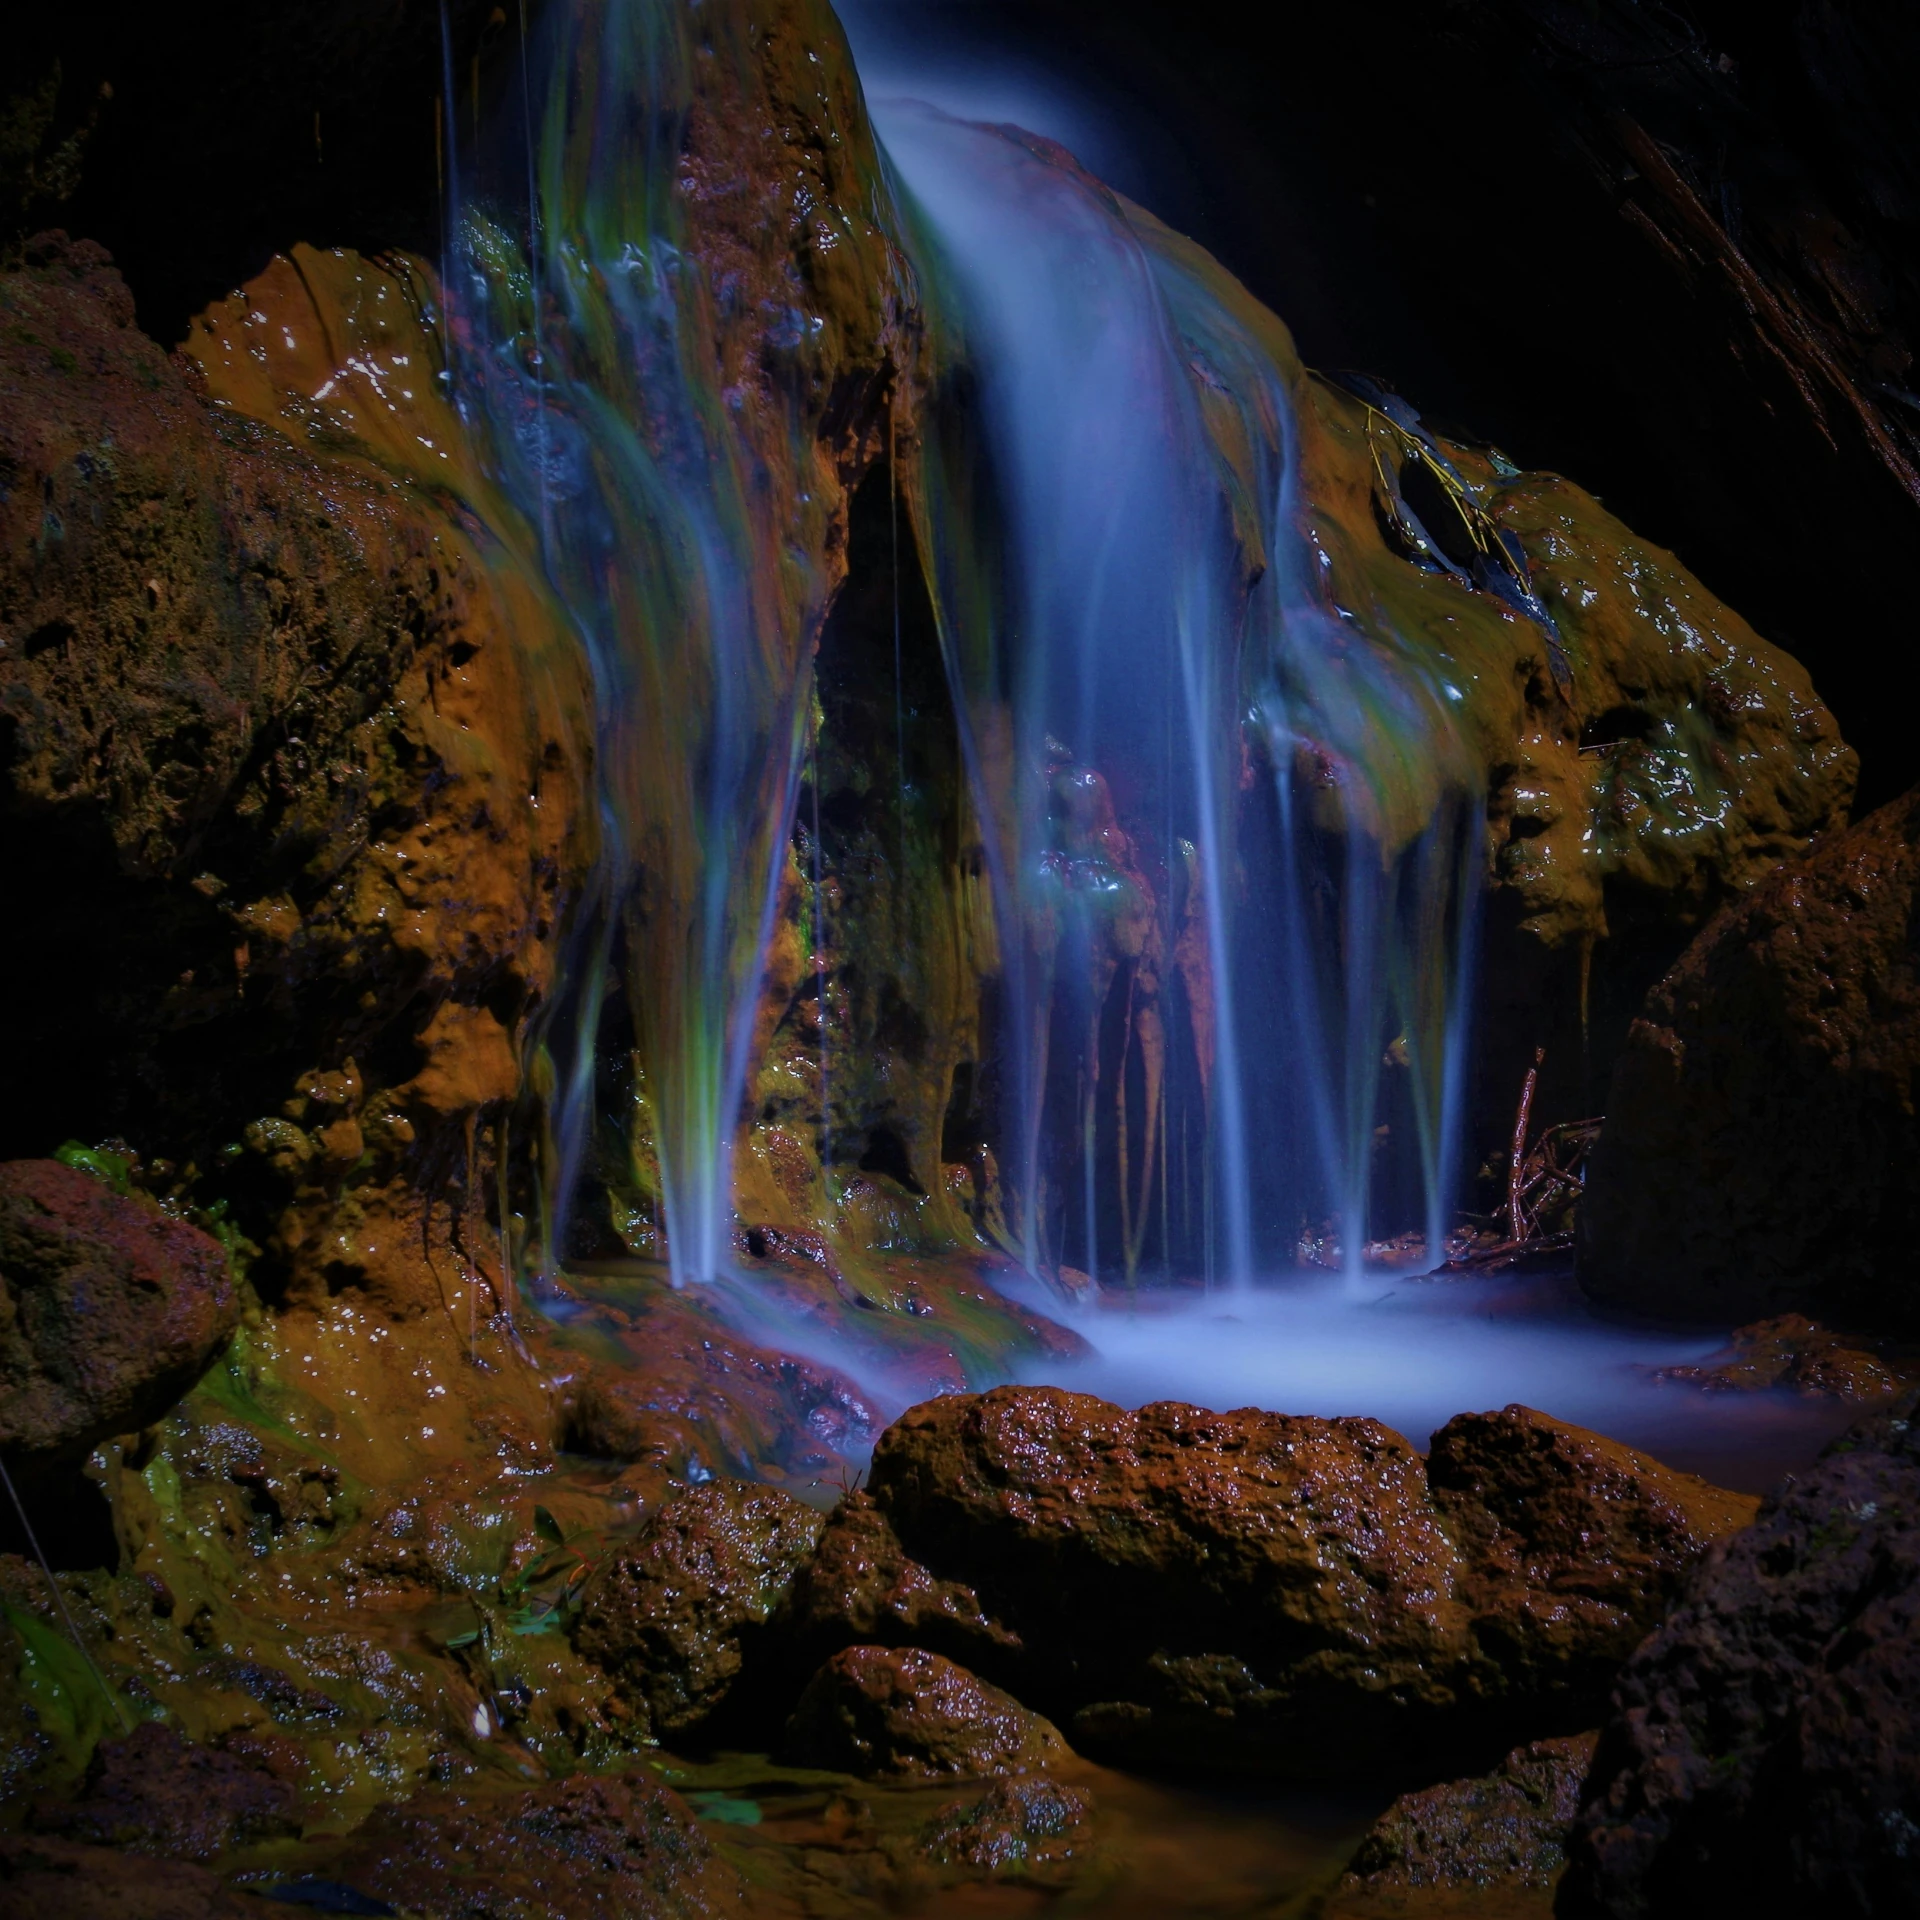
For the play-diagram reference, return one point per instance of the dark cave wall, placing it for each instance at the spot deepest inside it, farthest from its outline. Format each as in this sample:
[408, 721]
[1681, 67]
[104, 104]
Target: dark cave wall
[1669, 252]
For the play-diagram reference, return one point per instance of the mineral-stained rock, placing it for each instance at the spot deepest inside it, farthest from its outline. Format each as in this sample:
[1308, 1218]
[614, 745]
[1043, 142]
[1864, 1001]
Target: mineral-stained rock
[1289, 1593]
[40, 1877]
[595, 1845]
[1576, 1545]
[905, 1713]
[863, 1586]
[673, 1620]
[108, 1309]
[1763, 1756]
[1761, 1149]
[707, 1401]
[154, 1793]
[1794, 1352]
[1498, 1839]
[1029, 1827]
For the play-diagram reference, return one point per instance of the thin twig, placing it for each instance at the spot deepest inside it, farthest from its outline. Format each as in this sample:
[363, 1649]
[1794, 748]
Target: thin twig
[60, 1600]
[1516, 1165]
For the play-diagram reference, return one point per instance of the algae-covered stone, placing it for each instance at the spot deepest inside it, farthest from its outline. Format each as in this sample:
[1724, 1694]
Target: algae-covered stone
[907, 1714]
[593, 1847]
[156, 1793]
[43, 1876]
[863, 1586]
[673, 1620]
[1030, 1827]
[109, 1310]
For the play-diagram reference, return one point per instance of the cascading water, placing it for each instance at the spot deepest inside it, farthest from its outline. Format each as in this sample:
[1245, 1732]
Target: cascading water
[1230, 825]
[1276, 899]
[666, 481]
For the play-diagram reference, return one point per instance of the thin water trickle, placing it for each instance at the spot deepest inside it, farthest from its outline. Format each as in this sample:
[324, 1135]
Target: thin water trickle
[675, 528]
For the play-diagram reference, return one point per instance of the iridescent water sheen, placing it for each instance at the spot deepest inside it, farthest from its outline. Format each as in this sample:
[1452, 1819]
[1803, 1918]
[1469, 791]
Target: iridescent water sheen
[672, 526]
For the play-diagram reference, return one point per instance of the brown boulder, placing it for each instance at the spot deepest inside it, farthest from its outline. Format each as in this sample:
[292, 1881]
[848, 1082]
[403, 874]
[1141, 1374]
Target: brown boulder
[674, 1620]
[41, 1877]
[1763, 1755]
[902, 1713]
[109, 1310]
[154, 1793]
[1489, 1846]
[1762, 1150]
[1033, 1828]
[1293, 1594]
[862, 1585]
[1575, 1543]
[592, 1847]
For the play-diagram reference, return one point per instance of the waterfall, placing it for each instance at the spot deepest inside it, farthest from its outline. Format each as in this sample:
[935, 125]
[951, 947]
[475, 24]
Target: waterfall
[591, 362]
[1236, 808]
[1233, 829]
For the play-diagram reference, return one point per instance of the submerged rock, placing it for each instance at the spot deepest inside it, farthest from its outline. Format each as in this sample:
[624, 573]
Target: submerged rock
[1294, 1594]
[1500, 1838]
[908, 1714]
[593, 1847]
[109, 1310]
[1794, 1352]
[1031, 1828]
[1761, 1150]
[673, 1620]
[1763, 1756]
[154, 1793]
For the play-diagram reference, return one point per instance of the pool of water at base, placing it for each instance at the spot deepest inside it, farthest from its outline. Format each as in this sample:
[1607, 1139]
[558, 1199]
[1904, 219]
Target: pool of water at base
[1412, 1352]
[833, 1848]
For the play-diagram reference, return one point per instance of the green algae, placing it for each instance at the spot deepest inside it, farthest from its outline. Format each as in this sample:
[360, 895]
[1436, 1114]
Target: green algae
[64, 1695]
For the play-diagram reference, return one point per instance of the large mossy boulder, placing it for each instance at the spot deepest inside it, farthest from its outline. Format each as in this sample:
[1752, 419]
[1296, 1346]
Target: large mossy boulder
[1763, 1754]
[1283, 1593]
[109, 1310]
[1762, 1150]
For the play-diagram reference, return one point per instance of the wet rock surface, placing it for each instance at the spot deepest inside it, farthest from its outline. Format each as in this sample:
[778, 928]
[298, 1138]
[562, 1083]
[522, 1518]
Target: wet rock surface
[1761, 1151]
[1030, 1828]
[108, 1310]
[1763, 1755]
[1251, 1589]
[1796, 1353]
[675, 1619]
[155, 1793]
[612, 1845]
[903, 1713]
[1575, 1546]
[1494, 1844]
[42, 1876]
[861, 1584]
